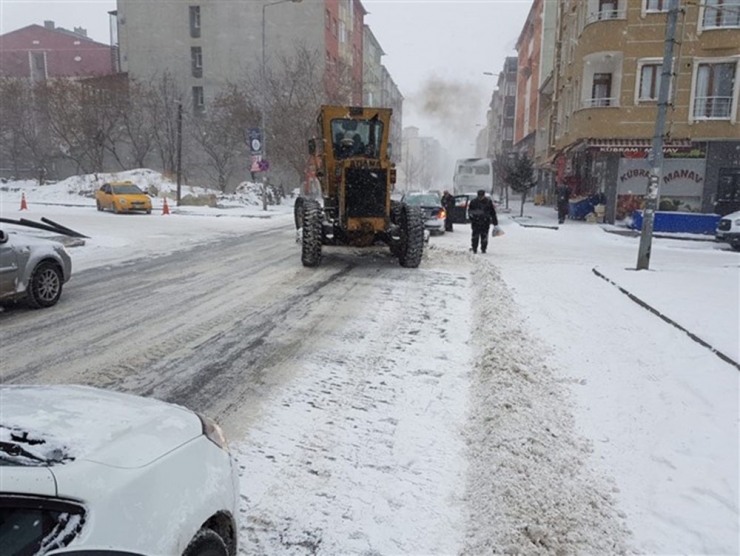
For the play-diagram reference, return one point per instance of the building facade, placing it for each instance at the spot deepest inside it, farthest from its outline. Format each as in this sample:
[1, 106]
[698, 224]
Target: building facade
[391, 97]
[372, 69]
[607, 82]
[208, 44]
[38, 53]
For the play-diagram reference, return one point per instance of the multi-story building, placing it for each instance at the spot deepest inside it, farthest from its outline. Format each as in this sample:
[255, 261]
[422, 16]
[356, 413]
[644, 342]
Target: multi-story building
[608, 77]
[422, 166]
[37, 53]
[391, 97]
[207, 43]
[372, 69]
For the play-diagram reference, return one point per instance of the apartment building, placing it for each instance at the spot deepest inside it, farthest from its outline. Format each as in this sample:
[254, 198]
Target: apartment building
[208, 43]
[422, 168]
[391, 97]
[501, 120]
[606, 85]
[45, 52]
[372, 69]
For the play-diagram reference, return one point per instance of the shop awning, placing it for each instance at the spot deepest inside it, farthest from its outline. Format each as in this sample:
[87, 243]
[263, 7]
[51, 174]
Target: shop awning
[620, 145]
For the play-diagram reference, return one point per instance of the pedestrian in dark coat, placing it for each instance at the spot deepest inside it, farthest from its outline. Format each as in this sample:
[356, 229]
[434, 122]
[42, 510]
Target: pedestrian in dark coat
[482, 214]
[562, 195]
[448, 202]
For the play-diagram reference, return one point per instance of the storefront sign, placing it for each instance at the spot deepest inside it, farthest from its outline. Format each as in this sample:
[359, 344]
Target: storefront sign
[681, 177]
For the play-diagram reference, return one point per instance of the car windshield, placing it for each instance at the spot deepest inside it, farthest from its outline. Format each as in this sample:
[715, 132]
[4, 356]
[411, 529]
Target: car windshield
[422, 200]
[351, 137]
[126, 190]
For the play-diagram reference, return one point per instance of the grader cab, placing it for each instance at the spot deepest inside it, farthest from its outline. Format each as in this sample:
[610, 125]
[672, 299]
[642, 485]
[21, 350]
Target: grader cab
[351, 165]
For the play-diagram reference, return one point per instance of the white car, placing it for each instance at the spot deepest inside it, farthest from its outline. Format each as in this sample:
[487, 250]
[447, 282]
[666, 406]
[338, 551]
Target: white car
[89, 471]
[728, 230]
[33, 269]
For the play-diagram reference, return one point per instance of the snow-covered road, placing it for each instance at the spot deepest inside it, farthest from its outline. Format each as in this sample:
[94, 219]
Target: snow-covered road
[512, 403]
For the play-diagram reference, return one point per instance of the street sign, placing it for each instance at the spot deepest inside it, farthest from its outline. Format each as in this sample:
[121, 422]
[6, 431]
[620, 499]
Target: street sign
[255, 166]
[254, 139]
[264, 165]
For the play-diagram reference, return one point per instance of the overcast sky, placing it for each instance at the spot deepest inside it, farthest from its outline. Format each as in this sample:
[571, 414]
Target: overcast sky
[436, 51]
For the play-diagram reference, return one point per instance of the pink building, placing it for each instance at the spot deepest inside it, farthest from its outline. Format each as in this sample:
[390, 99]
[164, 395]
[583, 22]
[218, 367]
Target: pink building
[39, 53]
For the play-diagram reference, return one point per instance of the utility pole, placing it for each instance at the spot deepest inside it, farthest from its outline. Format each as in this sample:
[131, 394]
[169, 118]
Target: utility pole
[656, 170]
[179, 150]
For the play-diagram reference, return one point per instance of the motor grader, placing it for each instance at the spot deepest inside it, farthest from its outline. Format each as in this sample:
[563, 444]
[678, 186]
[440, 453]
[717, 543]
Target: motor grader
[350, 164]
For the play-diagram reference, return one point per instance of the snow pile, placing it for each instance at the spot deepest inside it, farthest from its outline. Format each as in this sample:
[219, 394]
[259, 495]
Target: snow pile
[530, 489]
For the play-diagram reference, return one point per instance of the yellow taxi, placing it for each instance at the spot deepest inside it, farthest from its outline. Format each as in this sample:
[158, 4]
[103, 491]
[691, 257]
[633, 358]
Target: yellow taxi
[122, 196]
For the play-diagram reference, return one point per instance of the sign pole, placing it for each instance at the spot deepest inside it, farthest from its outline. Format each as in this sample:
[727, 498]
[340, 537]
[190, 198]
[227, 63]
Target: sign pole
[651, 198]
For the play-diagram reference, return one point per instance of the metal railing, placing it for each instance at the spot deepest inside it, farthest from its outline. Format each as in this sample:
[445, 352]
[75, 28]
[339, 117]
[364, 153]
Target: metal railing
[718, 108]
[617, 12]
[602, 102]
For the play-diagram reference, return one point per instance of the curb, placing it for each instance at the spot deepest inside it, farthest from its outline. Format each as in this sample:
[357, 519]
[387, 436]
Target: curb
[657, 313]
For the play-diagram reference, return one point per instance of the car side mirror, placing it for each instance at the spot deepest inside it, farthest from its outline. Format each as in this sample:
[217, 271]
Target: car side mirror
[3, 236]
[312, 147]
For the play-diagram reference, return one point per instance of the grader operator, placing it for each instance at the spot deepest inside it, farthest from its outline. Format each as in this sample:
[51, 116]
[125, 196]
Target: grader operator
[351, 162]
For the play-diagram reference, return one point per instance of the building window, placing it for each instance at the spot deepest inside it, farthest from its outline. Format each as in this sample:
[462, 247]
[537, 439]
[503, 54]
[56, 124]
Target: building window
[649, 82]
[38, 66]
[328, 19]
[195, 21]
[508, 134]
[601, 90]
[608, 9]
[721, 13]
[196, 61]
[342, 32]
[714, 90]
[652, 6]
[199, 101]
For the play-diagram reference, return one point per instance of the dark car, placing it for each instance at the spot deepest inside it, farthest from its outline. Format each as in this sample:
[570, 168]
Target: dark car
[431, 207]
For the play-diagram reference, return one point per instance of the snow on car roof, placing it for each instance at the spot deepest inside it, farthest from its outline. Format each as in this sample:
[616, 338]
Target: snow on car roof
[59, 424]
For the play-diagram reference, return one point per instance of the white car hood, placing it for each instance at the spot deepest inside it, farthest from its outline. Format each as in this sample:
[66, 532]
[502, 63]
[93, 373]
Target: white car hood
[99, 426]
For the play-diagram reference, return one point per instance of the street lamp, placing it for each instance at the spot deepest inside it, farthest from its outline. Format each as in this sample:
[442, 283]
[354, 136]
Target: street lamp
[264, 92]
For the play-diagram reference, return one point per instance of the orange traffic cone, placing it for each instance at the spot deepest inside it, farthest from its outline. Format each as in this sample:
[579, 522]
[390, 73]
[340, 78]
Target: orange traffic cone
[24, 205]
[165, 208]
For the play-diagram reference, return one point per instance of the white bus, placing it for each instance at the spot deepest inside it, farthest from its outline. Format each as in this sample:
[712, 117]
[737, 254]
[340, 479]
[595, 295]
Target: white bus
[472, 174]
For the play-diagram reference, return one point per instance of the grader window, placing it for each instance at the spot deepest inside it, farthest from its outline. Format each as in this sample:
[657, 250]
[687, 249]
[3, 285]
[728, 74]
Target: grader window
[356, 138]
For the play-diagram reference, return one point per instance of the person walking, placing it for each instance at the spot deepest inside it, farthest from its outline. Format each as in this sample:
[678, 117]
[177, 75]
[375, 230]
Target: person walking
[562, 195]
[482, 215]
[448, 202]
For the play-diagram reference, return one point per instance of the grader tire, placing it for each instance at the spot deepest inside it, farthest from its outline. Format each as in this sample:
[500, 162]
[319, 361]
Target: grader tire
[311, 241]
[412, 237]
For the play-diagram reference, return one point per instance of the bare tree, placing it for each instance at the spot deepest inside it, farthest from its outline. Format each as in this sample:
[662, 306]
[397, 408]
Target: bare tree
[13, 113]
[219, 133]
[81, 120]
[137, 122]
[162, 106]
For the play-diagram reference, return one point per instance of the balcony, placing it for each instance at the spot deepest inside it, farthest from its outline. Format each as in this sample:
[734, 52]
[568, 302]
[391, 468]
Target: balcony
[605, 12]
[712, 108]
[602, 102]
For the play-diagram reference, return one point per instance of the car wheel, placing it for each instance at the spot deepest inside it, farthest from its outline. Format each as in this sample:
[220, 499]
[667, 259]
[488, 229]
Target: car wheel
[114, 206]
[99, 206]
[148, 211]
[206, 543]
[45, 286]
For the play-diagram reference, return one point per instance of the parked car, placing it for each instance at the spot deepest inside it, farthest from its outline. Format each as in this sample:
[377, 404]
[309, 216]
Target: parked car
[32, 269]
[123, 196]
[85, 469]
[432, 209]
[728, 230]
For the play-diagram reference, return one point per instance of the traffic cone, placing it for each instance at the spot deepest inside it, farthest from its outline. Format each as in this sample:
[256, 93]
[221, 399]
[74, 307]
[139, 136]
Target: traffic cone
[165, 208]
[24, 205]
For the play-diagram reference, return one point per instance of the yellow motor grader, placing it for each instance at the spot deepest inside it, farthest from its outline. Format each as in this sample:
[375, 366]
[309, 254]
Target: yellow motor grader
[351, 164]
